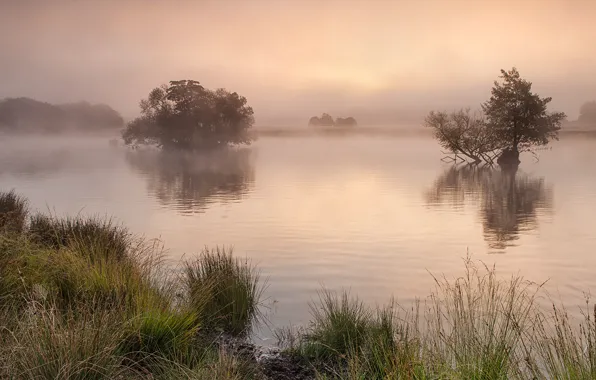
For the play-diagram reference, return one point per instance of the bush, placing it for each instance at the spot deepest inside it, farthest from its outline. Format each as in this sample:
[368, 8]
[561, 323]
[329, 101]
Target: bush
[224, 291]
[13, 212]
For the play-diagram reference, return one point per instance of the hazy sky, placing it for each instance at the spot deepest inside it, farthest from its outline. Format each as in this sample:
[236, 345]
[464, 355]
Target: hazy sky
[298, 58]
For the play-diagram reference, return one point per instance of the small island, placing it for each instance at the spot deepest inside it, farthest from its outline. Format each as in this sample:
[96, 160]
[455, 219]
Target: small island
[25, 115]
[326, 120]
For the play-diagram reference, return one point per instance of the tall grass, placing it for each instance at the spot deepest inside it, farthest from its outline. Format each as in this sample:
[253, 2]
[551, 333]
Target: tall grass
[477, 326]
[340, 324]
[51, 346]
[89, 235]
[225, 291]
[81, 298]
[13, 212]
[565, 351]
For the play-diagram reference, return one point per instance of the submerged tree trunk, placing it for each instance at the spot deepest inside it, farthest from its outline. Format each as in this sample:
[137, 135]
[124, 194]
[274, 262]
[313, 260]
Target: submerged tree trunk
[509, 158]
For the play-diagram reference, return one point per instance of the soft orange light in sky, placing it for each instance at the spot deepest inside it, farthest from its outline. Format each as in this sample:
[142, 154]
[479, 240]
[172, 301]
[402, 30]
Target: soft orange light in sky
[117, 50]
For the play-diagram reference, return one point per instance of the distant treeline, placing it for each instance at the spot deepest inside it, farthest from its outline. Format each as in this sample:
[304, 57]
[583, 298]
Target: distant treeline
[587, 117]
[30, 115]
[326, 120]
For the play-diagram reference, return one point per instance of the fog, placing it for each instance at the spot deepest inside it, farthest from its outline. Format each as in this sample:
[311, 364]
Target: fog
[378, 61]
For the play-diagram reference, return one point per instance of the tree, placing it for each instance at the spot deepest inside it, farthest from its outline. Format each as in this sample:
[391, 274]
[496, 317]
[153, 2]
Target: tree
[345, 122]
[587, 113]
[314, 121]
[30, 115]
[515, 119]
[464, 134]
[185, 115]
[518, 117]
[325, 120]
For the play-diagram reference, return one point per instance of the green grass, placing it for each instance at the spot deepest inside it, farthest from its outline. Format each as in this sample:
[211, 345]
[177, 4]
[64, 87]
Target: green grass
[167, 335]
[340, 324]
[13, 212]
[225, 291]
[82, 298]
[93, 236]
[477, 326]
[49, 345]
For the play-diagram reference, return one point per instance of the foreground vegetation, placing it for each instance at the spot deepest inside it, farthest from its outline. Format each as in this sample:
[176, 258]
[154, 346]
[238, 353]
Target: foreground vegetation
[82, 298]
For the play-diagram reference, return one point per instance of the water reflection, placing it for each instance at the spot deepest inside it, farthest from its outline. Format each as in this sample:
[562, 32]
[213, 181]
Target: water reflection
[509, 201]
[190, 182]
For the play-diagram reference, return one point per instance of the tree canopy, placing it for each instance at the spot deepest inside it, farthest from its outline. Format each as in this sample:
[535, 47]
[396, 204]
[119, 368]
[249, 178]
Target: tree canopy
[185, 115]
[587, 113]
[514, 119]
[464, 133]
[519, 117]
[326, 120]
[345, 122]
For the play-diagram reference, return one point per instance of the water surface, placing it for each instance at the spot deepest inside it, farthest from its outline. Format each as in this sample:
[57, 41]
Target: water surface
[371, 214]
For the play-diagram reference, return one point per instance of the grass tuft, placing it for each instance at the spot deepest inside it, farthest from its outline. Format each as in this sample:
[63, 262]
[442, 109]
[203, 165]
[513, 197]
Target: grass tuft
[52, 346]
[13, 212]
[92, 236]
[225, 291]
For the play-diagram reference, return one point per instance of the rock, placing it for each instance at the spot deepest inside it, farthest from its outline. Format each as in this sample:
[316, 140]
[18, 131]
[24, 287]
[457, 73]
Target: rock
[286, 367]
[271, 362]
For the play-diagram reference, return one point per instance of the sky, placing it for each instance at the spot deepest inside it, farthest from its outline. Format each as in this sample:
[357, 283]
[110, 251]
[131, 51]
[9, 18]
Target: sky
[380, 59]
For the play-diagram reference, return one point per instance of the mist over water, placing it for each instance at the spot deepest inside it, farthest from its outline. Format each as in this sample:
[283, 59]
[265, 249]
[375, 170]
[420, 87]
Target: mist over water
[373, 214]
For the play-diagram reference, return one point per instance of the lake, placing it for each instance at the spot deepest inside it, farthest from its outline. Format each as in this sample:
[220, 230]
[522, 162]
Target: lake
[372, 214]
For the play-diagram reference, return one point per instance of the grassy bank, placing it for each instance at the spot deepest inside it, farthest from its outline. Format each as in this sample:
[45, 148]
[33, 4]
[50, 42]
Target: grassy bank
[82, 298]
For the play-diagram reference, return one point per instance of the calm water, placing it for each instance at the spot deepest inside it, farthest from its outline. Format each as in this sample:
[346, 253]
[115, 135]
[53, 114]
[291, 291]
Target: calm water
[369, 214]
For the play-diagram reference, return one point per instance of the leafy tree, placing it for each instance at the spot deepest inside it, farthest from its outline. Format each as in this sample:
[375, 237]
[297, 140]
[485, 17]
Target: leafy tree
[587, 112]
[347, 122]
[465, 134]
[315, 121]
[519, 117]
[325, 120]
[515, 119]
[30, 115]
[185, 115]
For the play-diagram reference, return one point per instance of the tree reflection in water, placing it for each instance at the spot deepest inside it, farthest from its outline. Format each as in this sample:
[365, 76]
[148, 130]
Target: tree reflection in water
[190, 182]
[509, 201]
